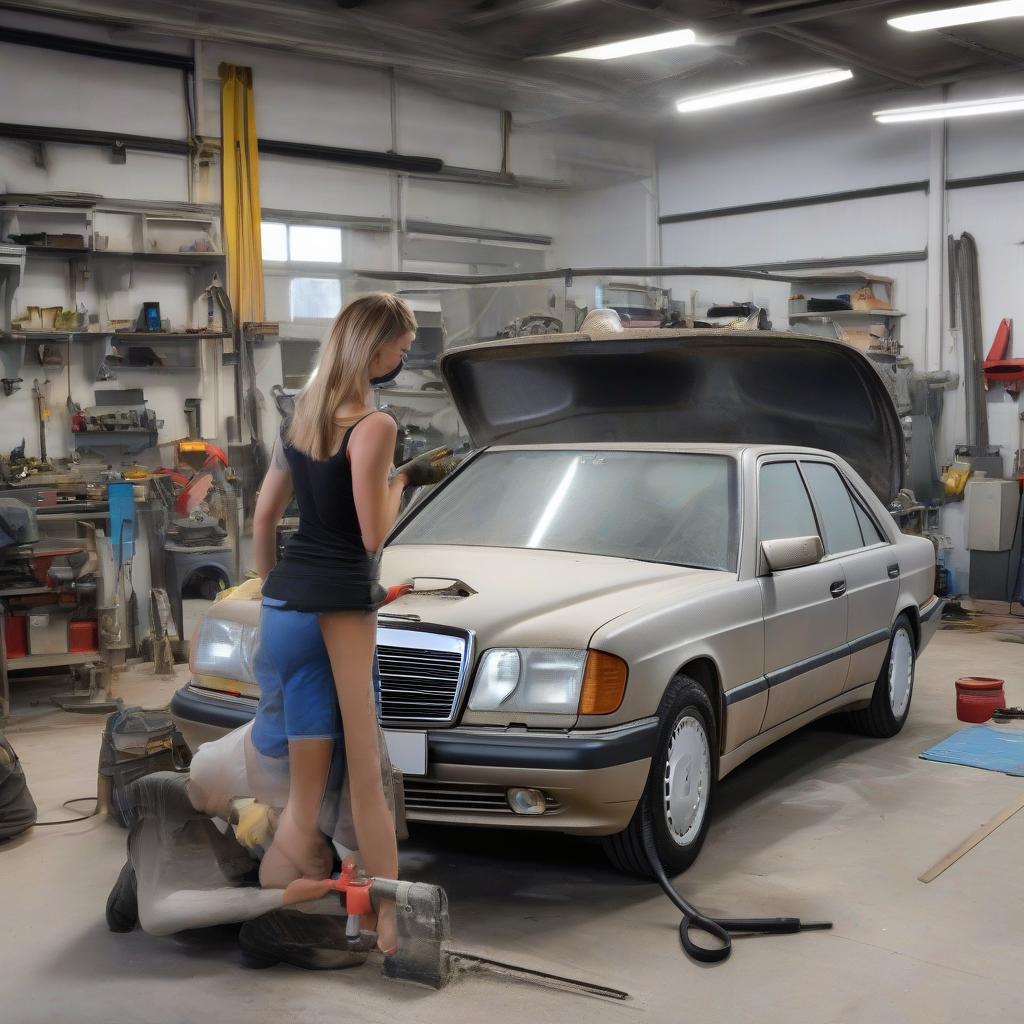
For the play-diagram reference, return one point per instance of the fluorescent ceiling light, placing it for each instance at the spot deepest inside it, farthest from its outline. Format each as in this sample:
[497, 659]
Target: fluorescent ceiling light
[630, 47]
[759, 90]
[959, 16]
[1002, 105]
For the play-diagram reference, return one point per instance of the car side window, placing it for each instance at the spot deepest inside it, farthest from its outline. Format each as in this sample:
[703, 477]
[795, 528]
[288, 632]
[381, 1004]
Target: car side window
[784, 509]
[839, 520]
[872, 535]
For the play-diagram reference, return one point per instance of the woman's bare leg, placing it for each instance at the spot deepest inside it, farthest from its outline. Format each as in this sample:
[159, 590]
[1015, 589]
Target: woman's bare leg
[298, 838]
[350, 638]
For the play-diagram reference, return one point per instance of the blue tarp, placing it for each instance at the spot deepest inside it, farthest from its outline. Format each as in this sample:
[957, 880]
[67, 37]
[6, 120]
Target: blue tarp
[982, 747]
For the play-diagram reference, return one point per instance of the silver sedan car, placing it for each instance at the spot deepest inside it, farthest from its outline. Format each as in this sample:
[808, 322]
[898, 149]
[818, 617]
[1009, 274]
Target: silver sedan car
[597, 624]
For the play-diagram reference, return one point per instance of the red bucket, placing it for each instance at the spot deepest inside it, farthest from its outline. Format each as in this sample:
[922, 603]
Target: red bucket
[977, 697]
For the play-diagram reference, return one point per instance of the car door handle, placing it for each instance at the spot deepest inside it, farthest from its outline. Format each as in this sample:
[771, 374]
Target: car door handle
[893, 571]
[838, 588]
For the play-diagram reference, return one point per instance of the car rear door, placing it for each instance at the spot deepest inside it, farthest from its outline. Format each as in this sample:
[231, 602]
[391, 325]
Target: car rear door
[869, 565]
[805, 609]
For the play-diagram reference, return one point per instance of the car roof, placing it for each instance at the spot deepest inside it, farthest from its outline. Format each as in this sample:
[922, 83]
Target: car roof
[696, 447]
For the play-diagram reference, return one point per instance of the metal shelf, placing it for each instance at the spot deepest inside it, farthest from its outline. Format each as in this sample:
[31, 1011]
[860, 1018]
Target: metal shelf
[829, 314]
[161, 336]
[123, 336]
[119, 367]
[185, 258]
[43, 336]
[51, 660]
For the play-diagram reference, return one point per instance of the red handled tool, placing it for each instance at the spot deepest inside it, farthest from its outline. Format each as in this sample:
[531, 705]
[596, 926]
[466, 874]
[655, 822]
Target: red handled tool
[356, 892]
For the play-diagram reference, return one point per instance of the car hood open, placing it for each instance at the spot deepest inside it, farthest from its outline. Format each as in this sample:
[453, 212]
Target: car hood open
[752, 387]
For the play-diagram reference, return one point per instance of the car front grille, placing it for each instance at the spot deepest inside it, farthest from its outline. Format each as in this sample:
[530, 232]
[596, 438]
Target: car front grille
[421, 674]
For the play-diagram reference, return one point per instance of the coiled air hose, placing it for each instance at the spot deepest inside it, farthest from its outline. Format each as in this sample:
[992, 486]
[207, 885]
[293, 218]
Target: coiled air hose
[720, 928]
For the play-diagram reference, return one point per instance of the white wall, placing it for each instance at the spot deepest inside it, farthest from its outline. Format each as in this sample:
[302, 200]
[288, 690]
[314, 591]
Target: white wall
[780, 152]
[297, 99]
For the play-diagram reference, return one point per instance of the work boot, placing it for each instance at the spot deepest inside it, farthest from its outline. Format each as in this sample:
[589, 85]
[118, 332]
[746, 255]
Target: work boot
[314, 942]
[123, 901]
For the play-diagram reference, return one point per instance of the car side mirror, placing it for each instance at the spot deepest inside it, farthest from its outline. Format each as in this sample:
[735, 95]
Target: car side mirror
[791, 552]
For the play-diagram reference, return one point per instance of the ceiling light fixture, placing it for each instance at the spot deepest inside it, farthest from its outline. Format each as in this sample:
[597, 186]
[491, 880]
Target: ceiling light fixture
[959, 16]
[631, 47]
[1000, 105]
[761, 90]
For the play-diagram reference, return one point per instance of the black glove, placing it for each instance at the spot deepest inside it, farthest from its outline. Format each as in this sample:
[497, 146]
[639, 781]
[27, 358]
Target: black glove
[428, 468]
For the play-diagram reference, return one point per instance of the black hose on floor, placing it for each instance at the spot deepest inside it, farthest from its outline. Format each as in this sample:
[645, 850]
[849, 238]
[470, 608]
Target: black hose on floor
[71, 821]
[720, 928]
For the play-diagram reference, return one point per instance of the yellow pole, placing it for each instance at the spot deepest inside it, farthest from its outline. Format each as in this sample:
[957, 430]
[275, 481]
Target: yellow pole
[241, 194]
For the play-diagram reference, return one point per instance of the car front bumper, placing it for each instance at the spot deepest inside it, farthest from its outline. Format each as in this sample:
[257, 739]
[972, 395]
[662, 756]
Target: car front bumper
[592, 778]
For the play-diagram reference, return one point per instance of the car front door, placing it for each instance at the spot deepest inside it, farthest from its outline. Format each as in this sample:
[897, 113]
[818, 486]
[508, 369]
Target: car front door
[805, 654]
[869, 564]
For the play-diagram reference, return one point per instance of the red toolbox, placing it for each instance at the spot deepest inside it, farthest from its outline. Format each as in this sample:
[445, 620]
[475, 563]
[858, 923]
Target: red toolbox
[84, 636]
[14, 631]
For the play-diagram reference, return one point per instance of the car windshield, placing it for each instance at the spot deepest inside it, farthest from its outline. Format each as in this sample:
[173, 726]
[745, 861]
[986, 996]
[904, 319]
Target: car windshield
[654, 506]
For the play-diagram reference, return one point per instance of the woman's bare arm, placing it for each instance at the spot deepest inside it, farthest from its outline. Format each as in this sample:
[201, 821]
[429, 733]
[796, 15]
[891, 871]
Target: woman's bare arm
[370, 451]
[275, 493]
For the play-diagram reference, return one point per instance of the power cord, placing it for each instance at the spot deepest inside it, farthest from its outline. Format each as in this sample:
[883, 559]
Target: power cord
[720, 928]
[69, 821]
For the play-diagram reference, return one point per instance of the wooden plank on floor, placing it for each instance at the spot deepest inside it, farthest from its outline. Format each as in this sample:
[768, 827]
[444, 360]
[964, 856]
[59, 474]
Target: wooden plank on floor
[972, 840]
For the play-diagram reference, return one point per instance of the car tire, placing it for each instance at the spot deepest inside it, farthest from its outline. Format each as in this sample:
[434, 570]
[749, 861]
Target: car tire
[887, 713]
[680, 789]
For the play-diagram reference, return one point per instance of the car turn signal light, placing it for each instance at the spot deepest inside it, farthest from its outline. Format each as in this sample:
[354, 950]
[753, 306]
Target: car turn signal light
[604, 684]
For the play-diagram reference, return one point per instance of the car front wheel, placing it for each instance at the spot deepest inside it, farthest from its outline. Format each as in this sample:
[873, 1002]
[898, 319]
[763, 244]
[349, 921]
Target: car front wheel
[680, 787]
[890, 701]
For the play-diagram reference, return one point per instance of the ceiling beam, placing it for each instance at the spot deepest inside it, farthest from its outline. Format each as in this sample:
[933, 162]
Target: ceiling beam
[814, 42]
[757, 23]
[988, 51]
[344, 36]
[512, 10]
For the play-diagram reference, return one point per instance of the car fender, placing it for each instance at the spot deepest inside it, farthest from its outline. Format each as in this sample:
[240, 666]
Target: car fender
[723, 627]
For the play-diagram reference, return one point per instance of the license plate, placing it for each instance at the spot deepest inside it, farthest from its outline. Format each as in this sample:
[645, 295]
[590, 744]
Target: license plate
[408, 750]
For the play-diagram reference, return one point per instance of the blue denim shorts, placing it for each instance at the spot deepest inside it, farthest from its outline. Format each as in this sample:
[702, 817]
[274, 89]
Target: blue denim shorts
[298, 699]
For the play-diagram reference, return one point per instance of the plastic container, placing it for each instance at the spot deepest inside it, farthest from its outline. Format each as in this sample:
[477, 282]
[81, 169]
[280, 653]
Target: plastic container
[14, 631]
[84, 636]
[977, 697]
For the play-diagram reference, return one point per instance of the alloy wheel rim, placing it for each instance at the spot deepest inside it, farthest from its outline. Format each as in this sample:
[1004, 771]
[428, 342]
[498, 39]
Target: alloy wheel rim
[901, 672]
[686, 781]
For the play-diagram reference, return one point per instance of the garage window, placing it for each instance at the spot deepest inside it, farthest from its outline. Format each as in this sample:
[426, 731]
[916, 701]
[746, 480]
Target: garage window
[314, 298]
[784, 508]
[300, 243]
[302, 266]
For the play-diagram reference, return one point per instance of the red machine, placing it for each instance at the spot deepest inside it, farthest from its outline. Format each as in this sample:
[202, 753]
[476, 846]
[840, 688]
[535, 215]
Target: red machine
[997, 367]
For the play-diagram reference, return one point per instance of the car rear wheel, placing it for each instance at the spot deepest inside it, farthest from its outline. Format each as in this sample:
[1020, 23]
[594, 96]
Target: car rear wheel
[890, 701]
[680, 787]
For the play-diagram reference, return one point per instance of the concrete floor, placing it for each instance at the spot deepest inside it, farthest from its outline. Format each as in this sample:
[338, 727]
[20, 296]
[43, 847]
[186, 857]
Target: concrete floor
[823, 825]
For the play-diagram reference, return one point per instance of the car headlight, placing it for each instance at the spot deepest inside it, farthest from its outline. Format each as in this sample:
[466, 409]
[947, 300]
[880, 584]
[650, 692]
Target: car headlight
[222, 656]
[542, 680]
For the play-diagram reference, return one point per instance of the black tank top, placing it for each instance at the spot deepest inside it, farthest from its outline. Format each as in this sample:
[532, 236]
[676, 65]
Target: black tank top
[325, 566]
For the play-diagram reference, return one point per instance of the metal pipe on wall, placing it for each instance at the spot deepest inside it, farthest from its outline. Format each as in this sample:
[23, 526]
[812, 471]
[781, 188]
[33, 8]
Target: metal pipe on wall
[965, 281]
[936, 233]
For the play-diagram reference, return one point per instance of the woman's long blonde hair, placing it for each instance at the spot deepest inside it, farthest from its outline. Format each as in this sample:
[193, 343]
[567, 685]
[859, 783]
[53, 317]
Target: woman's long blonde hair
[342, 370]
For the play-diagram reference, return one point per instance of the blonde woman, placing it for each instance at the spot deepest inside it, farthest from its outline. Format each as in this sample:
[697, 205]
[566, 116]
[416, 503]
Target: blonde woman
[318, 621]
